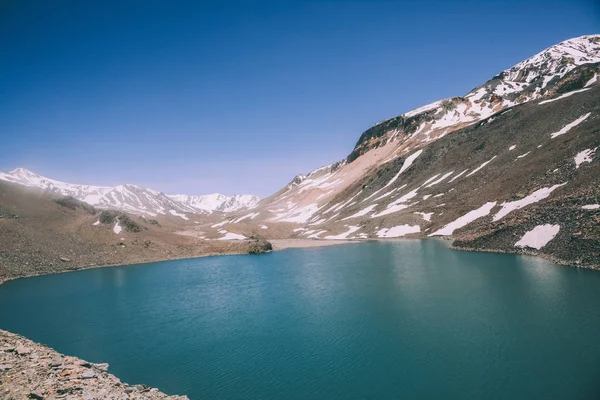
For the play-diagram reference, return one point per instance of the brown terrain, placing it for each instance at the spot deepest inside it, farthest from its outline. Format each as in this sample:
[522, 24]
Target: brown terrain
[33, 371]
[41, 233]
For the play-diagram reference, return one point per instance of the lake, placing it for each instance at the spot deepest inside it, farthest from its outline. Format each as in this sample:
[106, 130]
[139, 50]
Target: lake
[375, 320]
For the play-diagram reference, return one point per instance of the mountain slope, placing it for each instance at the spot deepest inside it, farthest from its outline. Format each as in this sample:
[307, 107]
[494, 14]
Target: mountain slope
[563, 68]
[134, 199]
[40, 233]
[511, 166]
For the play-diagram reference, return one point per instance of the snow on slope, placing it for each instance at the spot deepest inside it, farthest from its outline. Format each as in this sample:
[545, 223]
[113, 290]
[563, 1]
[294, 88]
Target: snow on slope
[539, 236]
[131, 198]
[556, 60]
[305, 198]
[218, 202]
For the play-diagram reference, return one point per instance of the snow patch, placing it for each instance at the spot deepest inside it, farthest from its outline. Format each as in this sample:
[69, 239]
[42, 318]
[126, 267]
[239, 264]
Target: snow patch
[534, 197]
[175, 213]
[591, 207]
[539, 236]
[316, 235]
[584, 156]
[458, 176]
[220, 224]
[351, 229]
[407, 163]
[465, 220]
[397, 205]
[117, 228]
[481, 166]
[440, 179]
[231, 236]
[570, 126]
[564, 96]
[592, 81]
[398, 231]
[251, 216]
[362, 212]
[425, 216]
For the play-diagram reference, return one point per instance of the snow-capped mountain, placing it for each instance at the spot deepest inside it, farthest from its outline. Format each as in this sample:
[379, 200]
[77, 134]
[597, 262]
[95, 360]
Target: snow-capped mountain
[133, 199]
[218, 202]
[511, 166]
[542, 75]
[566, 68]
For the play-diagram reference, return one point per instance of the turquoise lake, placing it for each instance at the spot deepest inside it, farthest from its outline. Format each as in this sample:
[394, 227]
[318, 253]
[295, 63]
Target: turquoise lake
[375, 320]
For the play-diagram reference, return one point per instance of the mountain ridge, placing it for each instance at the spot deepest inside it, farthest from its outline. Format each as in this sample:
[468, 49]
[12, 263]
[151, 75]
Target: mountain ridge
[133, 198]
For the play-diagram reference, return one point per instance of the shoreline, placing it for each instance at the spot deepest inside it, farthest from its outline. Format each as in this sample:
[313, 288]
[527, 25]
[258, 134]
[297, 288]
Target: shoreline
[293, 243]
[32, 370]
[523, 252]
[278, 245]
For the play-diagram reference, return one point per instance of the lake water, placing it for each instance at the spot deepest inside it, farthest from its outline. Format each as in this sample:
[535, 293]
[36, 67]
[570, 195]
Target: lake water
[376, 320]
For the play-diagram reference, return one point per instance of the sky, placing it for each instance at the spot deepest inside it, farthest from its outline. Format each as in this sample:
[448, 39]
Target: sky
[198, 97]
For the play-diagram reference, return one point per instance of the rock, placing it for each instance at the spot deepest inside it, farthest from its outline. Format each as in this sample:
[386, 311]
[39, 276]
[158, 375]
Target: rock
[22, 350]
[34, 371]
[56, 361]
[65, 259]
[101, 366]
[260, 246]
[88, 374]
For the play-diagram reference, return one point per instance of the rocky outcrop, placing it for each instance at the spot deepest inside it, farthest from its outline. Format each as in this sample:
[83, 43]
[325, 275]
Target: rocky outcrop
[259, 246]
[30, 370]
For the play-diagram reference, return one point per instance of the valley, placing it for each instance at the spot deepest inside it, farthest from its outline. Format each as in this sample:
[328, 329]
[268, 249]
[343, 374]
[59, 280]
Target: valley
[509, 167]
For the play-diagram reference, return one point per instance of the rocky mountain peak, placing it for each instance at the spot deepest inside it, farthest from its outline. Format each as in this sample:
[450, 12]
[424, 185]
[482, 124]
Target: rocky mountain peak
[556, 60]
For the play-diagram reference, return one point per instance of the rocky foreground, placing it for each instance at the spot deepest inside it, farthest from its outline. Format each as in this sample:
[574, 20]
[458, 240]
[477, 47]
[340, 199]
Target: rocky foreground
[30, 370]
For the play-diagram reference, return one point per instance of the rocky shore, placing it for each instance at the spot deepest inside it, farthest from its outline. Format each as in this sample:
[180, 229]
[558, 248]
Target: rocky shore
[29, 370]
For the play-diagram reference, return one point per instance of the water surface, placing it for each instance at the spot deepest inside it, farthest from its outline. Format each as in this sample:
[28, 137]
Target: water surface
[376, 320]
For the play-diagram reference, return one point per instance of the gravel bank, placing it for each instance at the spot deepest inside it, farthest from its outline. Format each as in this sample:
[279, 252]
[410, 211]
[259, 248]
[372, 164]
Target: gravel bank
[30, 370]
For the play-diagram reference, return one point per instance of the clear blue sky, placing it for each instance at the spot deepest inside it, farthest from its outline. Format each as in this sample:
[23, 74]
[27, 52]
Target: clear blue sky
[238, 97]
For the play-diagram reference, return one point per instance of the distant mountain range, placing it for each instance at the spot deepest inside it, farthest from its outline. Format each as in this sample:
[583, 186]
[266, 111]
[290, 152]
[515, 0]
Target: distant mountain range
[134, 199]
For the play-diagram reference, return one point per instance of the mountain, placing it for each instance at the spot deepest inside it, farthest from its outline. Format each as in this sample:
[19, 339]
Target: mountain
[41, 233]
[509, 166]
[218, 202]
[134, 199]
[567, 67]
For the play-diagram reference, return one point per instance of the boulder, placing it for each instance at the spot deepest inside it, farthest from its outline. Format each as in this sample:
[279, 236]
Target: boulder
[88, 374]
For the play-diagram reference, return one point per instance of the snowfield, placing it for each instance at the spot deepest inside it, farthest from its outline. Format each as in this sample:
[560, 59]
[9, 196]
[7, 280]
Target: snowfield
[534, 197]
[398, 231]
[570, 126]
[584, 156]
[465, 220]
[539, 236]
